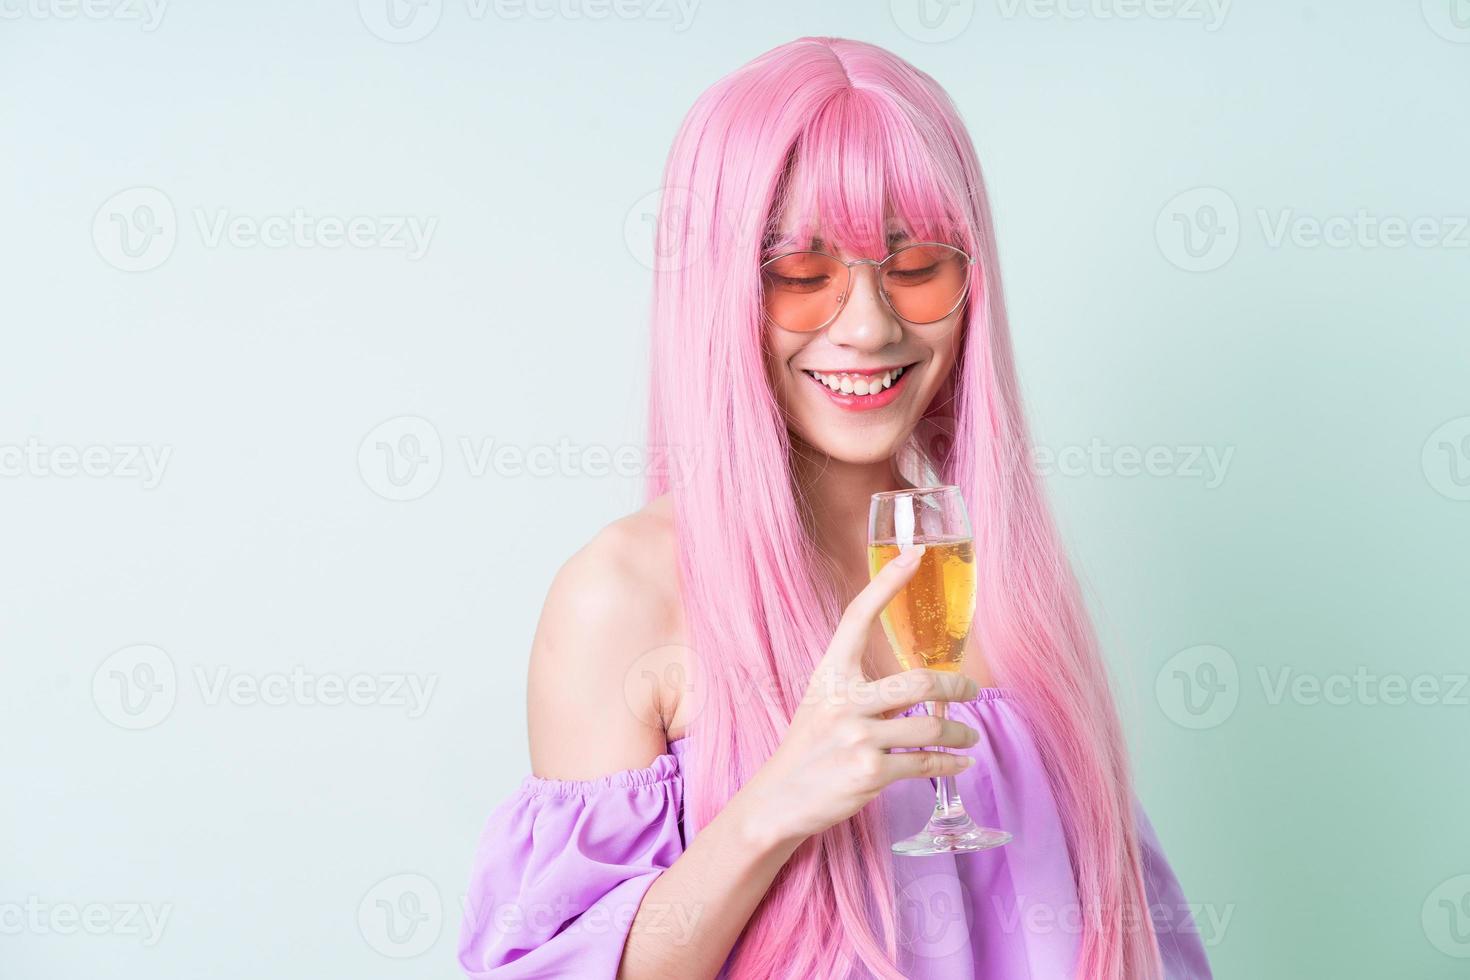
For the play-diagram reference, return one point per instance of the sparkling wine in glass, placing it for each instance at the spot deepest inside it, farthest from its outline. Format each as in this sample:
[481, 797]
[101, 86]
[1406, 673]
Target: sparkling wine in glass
[927, 625]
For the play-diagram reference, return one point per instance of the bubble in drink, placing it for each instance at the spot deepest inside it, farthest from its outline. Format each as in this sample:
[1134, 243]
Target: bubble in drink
[928, 622]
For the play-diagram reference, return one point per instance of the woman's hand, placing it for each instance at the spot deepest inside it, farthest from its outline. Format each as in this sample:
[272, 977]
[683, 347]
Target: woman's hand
[833, 759]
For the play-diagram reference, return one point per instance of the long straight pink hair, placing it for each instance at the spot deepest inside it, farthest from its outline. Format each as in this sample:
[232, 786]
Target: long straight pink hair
[848, 134]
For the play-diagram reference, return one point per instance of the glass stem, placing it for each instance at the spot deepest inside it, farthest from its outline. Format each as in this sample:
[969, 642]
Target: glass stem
[947, 803]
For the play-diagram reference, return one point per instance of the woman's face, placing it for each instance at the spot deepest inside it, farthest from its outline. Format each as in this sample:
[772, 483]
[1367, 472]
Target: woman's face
[864, 344]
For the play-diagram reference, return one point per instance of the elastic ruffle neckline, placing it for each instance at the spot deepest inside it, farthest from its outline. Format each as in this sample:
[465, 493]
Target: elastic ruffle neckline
[663, 768]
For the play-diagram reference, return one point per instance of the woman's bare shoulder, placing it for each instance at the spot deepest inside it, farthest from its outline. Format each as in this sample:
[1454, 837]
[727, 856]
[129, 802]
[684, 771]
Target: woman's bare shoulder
[628, 570]
[610, 622]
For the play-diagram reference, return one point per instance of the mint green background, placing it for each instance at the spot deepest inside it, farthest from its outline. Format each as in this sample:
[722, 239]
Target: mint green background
[1321, 829]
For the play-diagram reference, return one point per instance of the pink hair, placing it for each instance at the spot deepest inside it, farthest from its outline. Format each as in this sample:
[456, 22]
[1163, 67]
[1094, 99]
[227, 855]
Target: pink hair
[850, 132]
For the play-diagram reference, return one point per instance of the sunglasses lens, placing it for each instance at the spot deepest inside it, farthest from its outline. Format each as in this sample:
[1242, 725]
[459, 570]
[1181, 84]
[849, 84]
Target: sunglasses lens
[803, 289]
[926, 283]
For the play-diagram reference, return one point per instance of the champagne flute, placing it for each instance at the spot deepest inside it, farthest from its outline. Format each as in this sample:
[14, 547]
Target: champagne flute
[927, 625]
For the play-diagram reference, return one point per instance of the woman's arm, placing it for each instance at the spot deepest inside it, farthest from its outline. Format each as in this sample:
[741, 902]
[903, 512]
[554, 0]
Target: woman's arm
[594, 707]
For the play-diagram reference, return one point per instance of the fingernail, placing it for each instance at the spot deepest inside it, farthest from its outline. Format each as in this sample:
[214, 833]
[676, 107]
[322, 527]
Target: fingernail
[966, 762]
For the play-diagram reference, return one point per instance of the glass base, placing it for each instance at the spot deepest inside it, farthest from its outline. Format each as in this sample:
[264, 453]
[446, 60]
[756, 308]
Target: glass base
[951, 837]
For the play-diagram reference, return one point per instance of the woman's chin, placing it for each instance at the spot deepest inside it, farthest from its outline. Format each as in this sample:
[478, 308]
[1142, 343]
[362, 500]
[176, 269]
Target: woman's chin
[854, 448]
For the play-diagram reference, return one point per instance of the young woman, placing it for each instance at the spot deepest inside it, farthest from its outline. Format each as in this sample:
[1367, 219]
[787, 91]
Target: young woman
[740, 824]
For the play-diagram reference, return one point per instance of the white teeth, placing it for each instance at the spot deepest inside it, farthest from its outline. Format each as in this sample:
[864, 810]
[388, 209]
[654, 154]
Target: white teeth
[860, 384]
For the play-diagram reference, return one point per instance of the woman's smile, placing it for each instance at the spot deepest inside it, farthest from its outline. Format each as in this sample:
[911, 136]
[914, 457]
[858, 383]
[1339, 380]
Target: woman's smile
[862, 389]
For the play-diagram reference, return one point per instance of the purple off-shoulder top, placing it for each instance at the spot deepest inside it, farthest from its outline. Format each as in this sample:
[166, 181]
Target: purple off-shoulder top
[563, 865]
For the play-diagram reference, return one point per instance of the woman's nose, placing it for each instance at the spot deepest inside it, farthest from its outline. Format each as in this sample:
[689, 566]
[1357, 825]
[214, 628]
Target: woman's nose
[865, 322]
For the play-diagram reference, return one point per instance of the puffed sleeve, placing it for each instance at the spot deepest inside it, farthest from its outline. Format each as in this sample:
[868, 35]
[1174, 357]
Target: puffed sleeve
[561, 868]
[1180, 942]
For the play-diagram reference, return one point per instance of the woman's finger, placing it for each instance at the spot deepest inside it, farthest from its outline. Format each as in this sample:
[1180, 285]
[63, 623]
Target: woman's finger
[922, 731]
[851, 636]
[913, 765]
[907, 688]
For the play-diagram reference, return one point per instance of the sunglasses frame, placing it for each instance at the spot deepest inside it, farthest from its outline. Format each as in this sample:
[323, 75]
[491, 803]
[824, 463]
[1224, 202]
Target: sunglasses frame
[878, 265]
